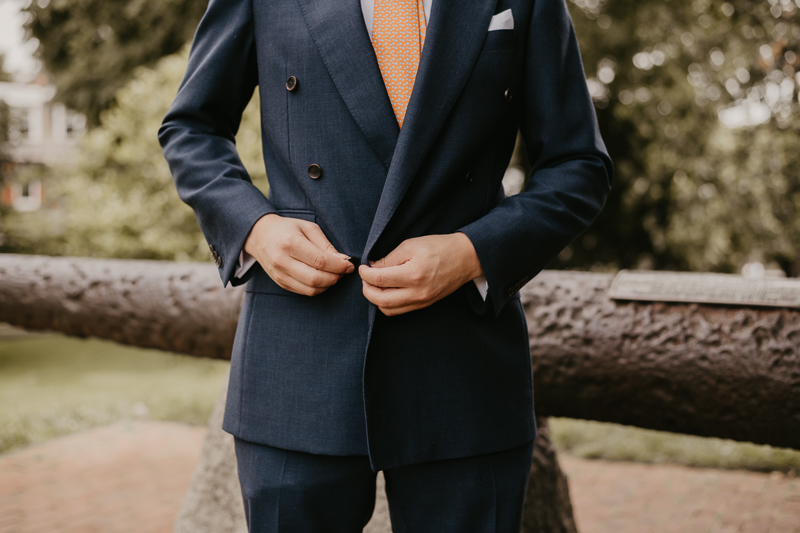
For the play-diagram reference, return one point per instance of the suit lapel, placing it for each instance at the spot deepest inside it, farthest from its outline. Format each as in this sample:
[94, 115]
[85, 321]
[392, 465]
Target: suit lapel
[343, 42]
[456, 32]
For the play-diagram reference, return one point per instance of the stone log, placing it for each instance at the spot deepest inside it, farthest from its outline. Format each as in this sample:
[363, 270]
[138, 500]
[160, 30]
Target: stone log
[719, 371]
[177, 307]
[710, 370]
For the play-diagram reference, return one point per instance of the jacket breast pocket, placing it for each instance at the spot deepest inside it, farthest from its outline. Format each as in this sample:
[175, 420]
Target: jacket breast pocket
[261, 282]
[501, 40]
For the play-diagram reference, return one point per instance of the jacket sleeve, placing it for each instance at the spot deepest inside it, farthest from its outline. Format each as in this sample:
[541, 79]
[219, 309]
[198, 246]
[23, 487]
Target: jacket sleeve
[198, 133]
[571, 173]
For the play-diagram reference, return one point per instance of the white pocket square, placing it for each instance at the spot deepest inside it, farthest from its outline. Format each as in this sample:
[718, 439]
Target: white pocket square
[502, 21]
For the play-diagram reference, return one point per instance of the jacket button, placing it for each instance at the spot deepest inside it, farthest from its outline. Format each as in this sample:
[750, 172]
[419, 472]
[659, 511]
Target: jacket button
[509, 95]
[314, 171]
[291, 83]
[511, 291]
[468, 177]
[218, 261]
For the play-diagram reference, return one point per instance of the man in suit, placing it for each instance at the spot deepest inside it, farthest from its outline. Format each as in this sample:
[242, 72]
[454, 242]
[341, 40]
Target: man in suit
[382, 327]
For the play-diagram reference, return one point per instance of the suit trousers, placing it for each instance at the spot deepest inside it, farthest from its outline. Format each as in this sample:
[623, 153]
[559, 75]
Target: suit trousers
[288, 491]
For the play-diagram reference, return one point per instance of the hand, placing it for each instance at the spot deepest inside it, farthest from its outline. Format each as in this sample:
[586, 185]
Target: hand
[296, 254]
[419, 272]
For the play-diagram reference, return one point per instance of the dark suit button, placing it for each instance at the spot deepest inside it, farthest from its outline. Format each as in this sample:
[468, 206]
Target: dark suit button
[511, 291]
[211, 247]
[291, 83]
[468, 177]
[509, 95]
[314, 171]
[218, 261]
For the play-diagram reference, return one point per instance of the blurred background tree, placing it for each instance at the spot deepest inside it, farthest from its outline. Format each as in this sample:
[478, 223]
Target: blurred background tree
[92, 47]
[118, 199]
[5, 118]
[4, 115]
[691, 192]
[697, 102]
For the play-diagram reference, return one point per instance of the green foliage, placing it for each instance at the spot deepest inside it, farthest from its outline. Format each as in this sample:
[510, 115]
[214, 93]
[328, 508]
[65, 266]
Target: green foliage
[690, 193]
[739, 203]
[118, 199]
[93, 47]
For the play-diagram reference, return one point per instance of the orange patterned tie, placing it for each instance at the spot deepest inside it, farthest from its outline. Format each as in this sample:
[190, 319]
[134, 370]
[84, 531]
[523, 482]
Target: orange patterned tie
[398, 34]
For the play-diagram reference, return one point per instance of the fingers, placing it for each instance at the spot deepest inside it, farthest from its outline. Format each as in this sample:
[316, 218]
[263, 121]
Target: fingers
[394, 311]
[298, 257]
[290, 284]
[390, 298]
[315, 255]
[400, 255]
[416, 274]
[395, 270]
[298, 277]
[396, 283]
[393, 276]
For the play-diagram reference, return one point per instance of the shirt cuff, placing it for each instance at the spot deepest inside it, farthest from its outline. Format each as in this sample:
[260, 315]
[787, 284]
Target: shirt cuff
[480, 282]
[246, 261]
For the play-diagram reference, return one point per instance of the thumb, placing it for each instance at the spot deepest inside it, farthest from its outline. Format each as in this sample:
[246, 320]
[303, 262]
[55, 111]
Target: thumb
[380, 263]
[396, 257]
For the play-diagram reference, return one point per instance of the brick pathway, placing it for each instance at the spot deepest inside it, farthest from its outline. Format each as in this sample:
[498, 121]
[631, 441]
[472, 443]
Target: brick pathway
[131, 477]
[126, 477]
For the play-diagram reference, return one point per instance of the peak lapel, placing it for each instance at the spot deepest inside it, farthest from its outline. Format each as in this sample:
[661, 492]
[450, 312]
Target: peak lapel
[341, 38]
[456, 32]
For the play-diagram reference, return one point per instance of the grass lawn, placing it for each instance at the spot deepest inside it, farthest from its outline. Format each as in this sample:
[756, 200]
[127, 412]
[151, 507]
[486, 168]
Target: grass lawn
[51, 385]
[597, 440]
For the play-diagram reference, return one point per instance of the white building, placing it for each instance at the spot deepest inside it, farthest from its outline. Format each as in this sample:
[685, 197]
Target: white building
[41, 132]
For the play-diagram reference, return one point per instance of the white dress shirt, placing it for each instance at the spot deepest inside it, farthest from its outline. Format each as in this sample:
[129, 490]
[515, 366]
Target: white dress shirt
[246, 261]
[368, 9]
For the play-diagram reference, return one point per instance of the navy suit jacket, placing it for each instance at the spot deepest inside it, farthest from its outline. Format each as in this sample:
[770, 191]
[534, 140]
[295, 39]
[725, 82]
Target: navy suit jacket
[329, 374]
